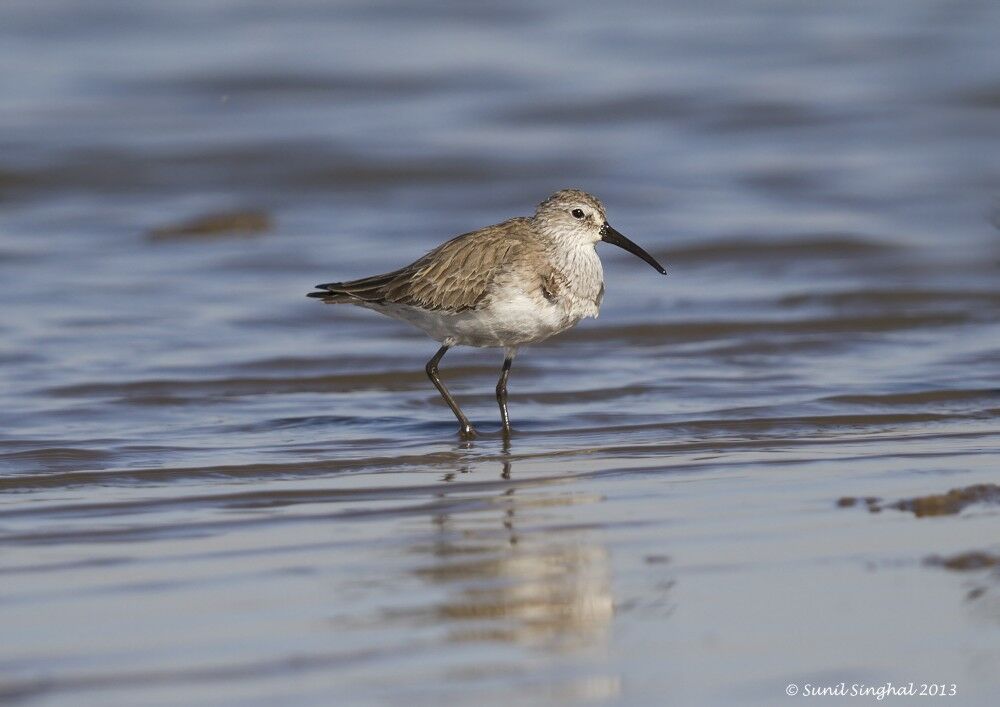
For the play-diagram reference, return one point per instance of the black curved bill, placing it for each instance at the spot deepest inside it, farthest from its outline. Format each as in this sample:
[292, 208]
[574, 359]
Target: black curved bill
[610, 235]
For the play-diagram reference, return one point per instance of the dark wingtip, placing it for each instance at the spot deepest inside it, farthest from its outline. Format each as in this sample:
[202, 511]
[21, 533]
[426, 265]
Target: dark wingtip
[327, 288]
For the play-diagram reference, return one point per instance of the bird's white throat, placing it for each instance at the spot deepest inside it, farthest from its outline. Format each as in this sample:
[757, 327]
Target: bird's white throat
[581, 266]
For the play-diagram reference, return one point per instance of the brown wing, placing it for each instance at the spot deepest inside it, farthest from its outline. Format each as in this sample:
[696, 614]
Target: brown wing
[453, 277]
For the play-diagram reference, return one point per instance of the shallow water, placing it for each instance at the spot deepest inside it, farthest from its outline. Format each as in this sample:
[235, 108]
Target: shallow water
[213, 490]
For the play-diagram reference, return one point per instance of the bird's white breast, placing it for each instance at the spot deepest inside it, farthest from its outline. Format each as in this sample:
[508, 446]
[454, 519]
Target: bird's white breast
[584, 280]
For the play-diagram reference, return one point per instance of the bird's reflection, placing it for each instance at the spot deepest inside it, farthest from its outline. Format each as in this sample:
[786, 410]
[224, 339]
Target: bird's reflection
[470, 444]
[517, 573]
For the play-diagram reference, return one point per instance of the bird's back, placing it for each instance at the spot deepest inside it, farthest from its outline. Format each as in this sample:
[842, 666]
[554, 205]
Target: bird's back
[457, 276]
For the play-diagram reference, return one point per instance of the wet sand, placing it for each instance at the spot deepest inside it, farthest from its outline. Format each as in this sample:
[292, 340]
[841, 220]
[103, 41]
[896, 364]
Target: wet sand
[215, 491]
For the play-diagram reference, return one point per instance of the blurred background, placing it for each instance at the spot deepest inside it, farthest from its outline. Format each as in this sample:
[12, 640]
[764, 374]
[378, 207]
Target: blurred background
[213, 490]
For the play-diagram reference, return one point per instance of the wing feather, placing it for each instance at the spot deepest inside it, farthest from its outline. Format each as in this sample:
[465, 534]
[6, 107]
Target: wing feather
[454, 277]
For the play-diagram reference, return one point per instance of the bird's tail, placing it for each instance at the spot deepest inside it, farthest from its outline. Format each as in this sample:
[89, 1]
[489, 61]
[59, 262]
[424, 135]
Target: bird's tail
[369, 289]
[331, 297]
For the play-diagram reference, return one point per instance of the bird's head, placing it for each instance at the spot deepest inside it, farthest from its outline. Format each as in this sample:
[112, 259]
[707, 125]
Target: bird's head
[576, 217]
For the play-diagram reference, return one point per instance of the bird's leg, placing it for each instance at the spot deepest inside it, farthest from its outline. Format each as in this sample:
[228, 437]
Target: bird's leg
[465, 427]
[502, 391]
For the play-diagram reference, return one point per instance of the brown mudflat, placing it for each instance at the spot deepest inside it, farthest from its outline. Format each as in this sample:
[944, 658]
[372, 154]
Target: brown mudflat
[951, 502]
[935, 504]
[215, 224]
[967, 561]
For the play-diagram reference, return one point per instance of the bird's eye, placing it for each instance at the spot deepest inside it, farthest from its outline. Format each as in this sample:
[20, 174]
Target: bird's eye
[577, 213]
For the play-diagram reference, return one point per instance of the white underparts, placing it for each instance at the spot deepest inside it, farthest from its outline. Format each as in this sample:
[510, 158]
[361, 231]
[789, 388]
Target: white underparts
[515, 314]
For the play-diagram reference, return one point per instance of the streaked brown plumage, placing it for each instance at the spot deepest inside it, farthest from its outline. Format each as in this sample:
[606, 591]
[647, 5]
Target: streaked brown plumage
[457, 275]
[507, 285]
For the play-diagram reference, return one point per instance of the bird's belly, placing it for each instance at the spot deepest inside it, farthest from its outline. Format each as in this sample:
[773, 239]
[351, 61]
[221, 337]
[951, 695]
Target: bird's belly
[510, 321]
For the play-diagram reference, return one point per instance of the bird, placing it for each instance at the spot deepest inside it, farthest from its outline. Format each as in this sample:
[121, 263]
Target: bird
[503, 286]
